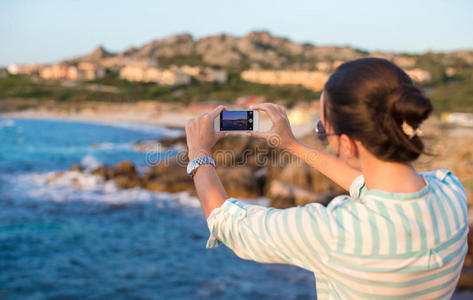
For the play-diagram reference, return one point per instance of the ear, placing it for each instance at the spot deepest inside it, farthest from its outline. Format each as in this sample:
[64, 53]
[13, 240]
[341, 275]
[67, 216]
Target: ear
[349, 147]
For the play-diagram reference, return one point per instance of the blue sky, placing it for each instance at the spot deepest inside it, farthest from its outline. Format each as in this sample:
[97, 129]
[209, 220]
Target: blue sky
[50, 30]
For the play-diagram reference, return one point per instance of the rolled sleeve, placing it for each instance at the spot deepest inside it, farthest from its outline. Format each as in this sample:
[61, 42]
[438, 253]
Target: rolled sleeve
[227, 208]
[270, 235]
[231, 208]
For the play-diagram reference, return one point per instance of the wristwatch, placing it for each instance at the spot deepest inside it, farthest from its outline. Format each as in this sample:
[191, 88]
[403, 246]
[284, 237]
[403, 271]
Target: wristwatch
[197, 162]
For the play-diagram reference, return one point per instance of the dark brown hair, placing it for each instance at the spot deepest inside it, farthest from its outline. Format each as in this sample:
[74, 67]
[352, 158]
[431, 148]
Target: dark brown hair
[368, 99]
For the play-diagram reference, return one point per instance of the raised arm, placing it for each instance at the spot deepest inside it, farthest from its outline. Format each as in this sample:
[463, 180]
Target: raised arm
[201, 137]
[329, 165]
[253, 232]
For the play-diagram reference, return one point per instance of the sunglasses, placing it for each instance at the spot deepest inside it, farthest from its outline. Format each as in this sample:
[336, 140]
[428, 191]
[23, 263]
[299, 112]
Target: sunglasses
[321, 133]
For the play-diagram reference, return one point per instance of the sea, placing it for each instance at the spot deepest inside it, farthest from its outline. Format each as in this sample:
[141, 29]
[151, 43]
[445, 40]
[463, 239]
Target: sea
[76, 236]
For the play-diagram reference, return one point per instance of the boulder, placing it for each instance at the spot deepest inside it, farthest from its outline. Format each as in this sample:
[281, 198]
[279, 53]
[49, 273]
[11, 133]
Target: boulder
[298, 173]
[76, 167]
[284, 195]
[123, 174]
[168, 176]
[239, 182]
[249, 168]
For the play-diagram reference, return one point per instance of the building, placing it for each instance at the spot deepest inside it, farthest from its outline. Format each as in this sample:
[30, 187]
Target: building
[89, 71]
[419, 75]
[28, 69]
[171, 76]
[13, 69]
[133, 73]
[192, 71]
[313, 80]
[54, 71]
[62, 71]
[174, 76]
[213, 75]
[206, 74]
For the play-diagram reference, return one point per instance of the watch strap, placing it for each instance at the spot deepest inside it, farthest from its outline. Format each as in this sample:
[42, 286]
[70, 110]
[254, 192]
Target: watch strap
[197, 162]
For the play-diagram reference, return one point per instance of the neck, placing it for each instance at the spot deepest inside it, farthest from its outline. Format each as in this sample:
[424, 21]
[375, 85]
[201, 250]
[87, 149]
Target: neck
[391, 177]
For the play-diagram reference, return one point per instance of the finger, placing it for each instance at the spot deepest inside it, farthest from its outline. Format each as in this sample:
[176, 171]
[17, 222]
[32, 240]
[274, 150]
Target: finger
[201, 115]
[281, 108]
[214, 113]
[269, 109]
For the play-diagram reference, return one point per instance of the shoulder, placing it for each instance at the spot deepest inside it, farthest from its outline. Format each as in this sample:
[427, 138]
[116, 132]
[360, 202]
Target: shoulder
[439, 174]
[445, 177]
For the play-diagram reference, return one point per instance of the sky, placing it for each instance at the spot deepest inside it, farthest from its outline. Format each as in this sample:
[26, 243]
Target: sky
[50, 30]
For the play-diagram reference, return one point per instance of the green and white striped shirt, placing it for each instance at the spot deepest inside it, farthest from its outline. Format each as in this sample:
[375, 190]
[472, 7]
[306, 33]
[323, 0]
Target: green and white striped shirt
[368, 245]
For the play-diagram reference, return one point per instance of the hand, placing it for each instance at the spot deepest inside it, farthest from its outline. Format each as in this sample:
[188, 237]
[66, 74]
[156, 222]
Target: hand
[200, 133]
[280, 133]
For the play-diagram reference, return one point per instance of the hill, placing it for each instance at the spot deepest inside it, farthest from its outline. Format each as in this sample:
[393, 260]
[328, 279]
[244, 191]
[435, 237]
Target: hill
[256, 49]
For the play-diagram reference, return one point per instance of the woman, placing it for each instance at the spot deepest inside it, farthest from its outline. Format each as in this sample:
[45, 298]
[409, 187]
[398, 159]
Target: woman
[398, 234]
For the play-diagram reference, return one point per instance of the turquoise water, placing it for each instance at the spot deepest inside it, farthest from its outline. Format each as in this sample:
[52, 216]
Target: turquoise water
[63, 242]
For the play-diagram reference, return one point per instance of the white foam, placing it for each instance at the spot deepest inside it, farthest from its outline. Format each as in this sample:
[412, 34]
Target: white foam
[85, 187]
[90, 163]
[113, 146]
[185, 199]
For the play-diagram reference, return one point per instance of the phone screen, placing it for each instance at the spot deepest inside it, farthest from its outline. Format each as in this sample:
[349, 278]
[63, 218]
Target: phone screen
[236, 120]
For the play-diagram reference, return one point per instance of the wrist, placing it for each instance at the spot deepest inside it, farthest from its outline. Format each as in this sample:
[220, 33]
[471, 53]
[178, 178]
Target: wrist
[291, 145]
[196, 153]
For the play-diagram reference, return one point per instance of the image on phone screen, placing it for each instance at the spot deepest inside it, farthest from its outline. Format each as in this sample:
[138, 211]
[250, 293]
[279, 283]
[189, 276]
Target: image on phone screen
[236, 120]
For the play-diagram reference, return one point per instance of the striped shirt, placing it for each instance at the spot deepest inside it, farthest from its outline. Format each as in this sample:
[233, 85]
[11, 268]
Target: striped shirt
[370, 244]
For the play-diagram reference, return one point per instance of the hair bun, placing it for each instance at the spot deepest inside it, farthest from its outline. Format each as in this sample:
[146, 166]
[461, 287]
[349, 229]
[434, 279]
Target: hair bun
[410, 105]
[375, 102]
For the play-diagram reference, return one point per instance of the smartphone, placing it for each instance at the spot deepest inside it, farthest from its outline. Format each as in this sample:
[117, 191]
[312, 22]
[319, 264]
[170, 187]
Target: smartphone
[237, 120]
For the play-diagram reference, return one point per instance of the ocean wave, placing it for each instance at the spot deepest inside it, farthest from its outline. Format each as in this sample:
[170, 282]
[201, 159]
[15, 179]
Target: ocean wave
[89, 163]
[76, 186]
[73, 186]
[113, 146]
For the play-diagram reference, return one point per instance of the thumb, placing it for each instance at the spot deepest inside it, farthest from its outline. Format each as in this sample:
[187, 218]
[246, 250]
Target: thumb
[214, 113]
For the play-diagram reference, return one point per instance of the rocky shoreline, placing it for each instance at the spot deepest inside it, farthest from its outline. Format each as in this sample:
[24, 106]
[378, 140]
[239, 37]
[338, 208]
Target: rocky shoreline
[247, 167]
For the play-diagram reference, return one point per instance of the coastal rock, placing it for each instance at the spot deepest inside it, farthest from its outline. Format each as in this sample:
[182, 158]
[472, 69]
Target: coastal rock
[298, 174]
[242, 150]
[168, 176]
[123, 174]
[239, 181]
[284, 195]
[248, 168]
[76, 167]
